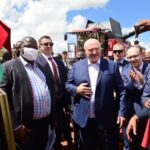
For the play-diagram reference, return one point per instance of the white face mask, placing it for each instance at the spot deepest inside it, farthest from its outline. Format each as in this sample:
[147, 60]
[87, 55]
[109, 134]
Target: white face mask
[30, 53]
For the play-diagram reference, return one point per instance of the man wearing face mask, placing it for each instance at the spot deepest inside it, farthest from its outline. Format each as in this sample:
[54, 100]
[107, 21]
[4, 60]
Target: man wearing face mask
[29, 97]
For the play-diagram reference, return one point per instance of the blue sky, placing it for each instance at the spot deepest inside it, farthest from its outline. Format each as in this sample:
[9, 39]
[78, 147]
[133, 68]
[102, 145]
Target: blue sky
[127, 12]
[55, 17]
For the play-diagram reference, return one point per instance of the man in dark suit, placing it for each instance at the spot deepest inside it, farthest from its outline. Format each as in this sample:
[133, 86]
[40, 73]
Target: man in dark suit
[135, 76]
[53, 68]
[92, 81]
[119, 55]
[30, 97]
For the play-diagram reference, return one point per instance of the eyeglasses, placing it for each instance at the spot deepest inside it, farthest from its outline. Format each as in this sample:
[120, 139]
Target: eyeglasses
[118, 51]
[134, 56]
[47, 44]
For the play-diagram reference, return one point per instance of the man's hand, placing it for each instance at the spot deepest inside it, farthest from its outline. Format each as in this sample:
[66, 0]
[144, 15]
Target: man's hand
[147, 103]
[84, 90]
[141, 79]
[142, 26]
[121, 121]
[133, 76]
[21, 134]
[132, 127]
[136, 76]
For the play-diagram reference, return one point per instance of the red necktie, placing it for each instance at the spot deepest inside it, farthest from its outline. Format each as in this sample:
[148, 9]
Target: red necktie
[56, 78]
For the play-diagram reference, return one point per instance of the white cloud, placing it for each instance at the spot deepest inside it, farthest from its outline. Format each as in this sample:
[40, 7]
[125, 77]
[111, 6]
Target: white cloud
[38, 17]
[77, 22]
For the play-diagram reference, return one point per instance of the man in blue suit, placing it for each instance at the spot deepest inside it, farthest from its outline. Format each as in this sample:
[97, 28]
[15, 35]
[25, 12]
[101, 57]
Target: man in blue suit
[92, 81]
[135, 76]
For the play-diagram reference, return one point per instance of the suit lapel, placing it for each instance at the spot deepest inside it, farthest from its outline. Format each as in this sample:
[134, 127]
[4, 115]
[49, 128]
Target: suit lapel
[19, 66]
[22, 73]
[102, 66]
[145, 70]
[46, 66]
[84, 71]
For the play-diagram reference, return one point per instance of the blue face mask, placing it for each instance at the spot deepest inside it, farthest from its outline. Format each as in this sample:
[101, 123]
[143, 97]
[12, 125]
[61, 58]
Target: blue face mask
[30, 53]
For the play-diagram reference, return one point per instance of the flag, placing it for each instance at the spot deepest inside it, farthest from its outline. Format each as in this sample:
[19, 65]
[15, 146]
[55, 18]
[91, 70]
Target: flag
[5, 36]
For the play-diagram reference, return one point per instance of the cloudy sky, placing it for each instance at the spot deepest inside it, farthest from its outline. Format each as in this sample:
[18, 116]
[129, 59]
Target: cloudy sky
[55, 17]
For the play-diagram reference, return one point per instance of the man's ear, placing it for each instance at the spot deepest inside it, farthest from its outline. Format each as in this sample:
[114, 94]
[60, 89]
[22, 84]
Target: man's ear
[21, 51]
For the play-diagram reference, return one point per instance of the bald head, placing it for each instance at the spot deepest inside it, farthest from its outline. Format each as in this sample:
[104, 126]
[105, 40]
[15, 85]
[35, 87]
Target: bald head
[90, 42]
[92, 50]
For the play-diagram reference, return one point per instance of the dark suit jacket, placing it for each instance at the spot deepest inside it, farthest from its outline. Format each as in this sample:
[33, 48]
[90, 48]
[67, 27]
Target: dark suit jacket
[146, 90]
[133, 94]
[109, 80]
[144, 113]
[65, 99]
[17, 86]
[124, 62]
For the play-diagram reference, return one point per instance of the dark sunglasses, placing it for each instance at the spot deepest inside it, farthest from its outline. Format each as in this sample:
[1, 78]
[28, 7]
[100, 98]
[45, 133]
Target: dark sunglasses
[117, 51]
[48, 44]
[79, 58]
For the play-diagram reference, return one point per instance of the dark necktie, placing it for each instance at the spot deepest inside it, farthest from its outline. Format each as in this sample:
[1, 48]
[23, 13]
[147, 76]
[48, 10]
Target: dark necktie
[120, 64]
[56, 78]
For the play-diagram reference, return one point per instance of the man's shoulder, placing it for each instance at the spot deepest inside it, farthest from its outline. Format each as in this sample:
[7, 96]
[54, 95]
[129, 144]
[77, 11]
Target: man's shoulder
[108, 62]
[39, 58]
[80, 63]
[10, 63]
[126, 68]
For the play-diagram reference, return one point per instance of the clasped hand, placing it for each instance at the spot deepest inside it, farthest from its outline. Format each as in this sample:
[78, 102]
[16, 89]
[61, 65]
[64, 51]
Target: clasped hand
[136, 76]
[84, 90]
[22, 133]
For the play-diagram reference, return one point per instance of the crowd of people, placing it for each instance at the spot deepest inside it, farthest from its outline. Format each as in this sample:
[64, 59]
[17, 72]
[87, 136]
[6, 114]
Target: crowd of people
[100, 97]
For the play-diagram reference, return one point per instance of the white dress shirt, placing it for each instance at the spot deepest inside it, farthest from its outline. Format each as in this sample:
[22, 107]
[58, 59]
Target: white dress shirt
[93, 74]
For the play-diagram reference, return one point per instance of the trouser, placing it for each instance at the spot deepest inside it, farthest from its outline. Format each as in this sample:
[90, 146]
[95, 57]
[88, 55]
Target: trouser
[95, 138]
[38, 136]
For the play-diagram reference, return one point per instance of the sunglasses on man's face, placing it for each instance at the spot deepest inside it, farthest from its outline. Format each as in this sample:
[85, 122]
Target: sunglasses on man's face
[117, 51]
[48, 44]
[79, 58]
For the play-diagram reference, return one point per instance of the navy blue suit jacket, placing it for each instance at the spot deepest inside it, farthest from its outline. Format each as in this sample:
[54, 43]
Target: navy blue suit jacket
[108, 81]
[133, 94]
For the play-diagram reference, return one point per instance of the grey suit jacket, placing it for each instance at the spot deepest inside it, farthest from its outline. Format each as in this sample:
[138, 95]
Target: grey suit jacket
[17, 86]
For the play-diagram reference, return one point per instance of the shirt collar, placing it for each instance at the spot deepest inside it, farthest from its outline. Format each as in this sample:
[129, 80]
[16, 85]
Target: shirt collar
[120, 62]
[46, 57]
[24, 62]
[140, 67]
[98, 62]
